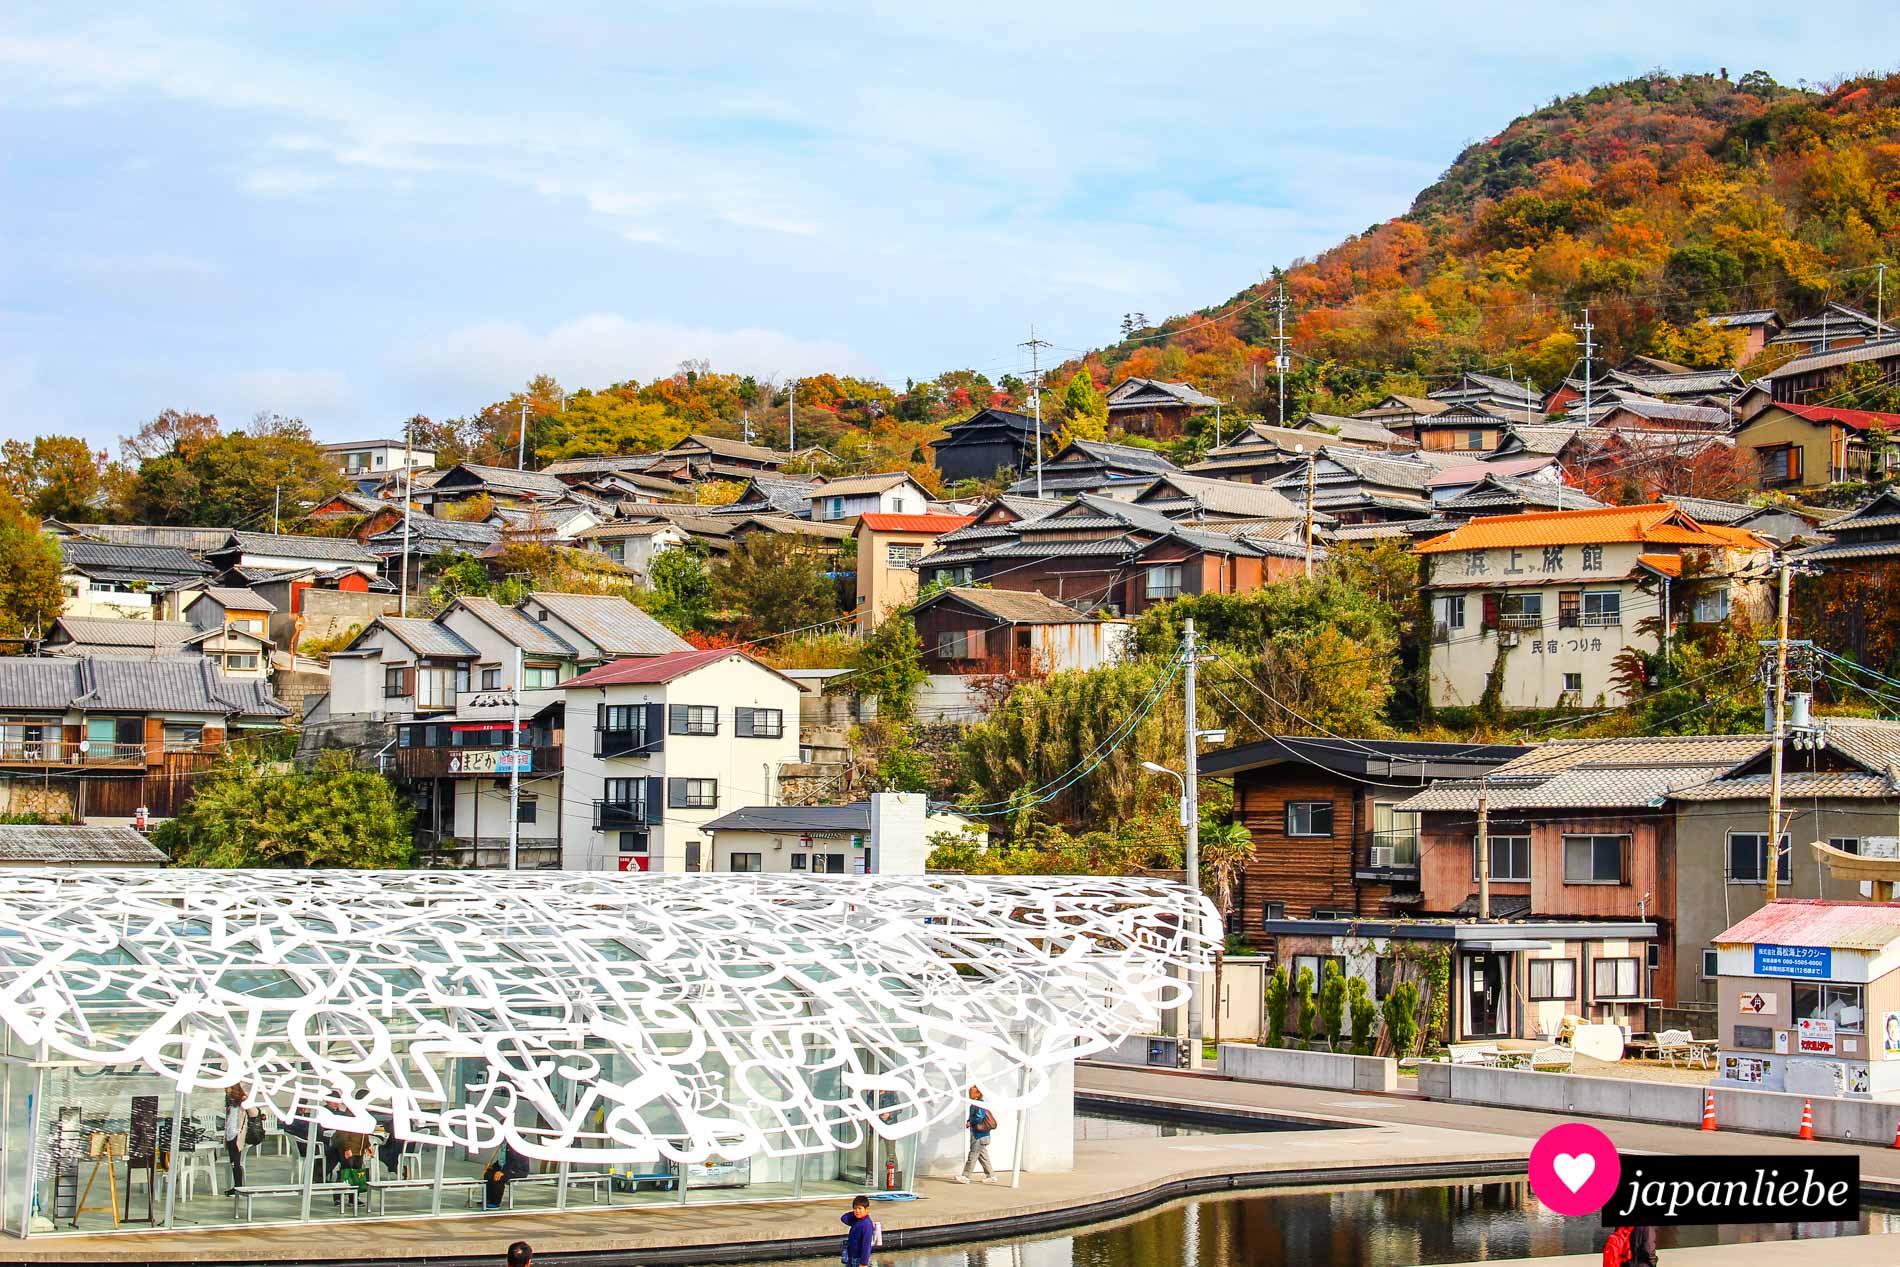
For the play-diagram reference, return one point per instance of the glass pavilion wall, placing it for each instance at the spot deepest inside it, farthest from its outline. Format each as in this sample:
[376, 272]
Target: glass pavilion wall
[638, 1040]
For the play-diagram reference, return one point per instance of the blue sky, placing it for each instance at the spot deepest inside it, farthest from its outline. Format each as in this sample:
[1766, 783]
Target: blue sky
[355, 212]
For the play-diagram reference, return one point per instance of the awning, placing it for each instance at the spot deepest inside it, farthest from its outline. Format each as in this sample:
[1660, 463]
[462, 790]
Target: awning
[1506, 944]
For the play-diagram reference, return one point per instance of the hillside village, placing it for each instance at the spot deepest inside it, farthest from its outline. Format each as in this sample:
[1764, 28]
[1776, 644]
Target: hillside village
[711, 624]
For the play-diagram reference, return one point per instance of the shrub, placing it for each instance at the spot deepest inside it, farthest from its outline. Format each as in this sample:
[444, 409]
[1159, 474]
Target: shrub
[1332, 1005]
[1359, 1003]
[1401, 1017]
[1306, 1021]
[1276, 1006]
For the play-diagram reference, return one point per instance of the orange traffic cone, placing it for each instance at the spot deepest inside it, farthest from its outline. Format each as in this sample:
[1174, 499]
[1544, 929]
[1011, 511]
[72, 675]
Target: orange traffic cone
[1807, 1121]
[1708, 1116]
[1896, 1134]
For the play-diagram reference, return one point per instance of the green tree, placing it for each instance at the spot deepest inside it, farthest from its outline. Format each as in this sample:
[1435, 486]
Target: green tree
[1083, 411]
[1332, 1005]
[888, 668]
[1364, 1012]
[1401, 1018]
[460, 574]
[1277, 998]
[59, 476]
[681, 590]
[772, 582]
[30, 593]
[172, 431]
[597, 424]
[1305, 1018]
[272, 471]
[247, 813]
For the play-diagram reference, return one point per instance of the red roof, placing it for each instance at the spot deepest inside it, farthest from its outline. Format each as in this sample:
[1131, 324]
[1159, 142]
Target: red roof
[1854, 419]
[877, 521]
[653, 669]
[1870, 926]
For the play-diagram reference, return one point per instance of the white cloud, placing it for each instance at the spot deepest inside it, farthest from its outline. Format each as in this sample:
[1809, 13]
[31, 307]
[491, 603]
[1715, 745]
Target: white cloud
[487, 360]
[286, 182]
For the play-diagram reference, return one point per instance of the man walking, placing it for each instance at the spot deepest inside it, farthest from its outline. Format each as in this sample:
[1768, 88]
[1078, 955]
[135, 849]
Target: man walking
[980, 1122]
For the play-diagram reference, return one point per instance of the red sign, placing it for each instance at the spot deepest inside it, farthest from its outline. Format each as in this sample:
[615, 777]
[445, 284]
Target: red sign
[633, 862]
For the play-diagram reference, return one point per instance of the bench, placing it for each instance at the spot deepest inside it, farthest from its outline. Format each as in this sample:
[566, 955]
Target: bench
[250, 1192]
[381, 1188]
[600, 1180]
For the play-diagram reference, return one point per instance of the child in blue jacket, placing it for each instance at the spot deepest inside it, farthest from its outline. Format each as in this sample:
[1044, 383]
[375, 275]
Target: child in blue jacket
[861, 1239]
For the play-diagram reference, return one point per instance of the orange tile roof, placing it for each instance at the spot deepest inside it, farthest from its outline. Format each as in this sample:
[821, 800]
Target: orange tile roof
[880, 521]
[1660, 522]
[1667, 564]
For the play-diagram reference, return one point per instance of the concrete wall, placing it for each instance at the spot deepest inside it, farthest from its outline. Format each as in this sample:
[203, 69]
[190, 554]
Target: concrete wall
[1309, 1068]
[1047, 1128]
[323, 614]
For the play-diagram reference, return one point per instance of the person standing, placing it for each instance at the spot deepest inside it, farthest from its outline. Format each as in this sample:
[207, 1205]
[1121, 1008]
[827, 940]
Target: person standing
[981, 1122]
[237, 1126]
[860, 1237]
[1643, 1247]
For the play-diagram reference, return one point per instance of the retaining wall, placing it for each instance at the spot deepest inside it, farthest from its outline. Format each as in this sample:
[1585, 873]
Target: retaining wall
[1309, 1068]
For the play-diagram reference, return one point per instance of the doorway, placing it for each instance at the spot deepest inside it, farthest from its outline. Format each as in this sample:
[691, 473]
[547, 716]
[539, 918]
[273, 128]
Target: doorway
[1487, 1011]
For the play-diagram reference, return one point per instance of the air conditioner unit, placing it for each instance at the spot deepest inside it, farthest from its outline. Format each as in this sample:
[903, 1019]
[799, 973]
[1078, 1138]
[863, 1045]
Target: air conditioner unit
[1507, 637]
[1381, 855]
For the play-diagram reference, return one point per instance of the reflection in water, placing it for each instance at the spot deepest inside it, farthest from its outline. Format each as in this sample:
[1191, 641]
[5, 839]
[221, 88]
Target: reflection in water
[1356, 1227]
[1094, 1124]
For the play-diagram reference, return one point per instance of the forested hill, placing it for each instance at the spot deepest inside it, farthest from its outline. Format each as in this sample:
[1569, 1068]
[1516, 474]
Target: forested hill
[1651, 201]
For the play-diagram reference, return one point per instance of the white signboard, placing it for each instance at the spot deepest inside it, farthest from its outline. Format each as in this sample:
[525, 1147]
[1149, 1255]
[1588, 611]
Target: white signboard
[1757, 1003]
[492, 761]
[1814, 1036]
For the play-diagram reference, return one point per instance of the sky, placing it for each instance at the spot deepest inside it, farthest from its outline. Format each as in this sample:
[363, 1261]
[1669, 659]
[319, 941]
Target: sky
[355, 212]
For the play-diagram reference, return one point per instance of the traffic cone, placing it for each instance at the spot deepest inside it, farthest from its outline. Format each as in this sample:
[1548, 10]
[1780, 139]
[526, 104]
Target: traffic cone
[1807, 1121]
[1896, 1134]
[1708, 1116]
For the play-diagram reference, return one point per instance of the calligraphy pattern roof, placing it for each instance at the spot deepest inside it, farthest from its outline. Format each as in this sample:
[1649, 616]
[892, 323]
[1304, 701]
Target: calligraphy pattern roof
[716, 1015]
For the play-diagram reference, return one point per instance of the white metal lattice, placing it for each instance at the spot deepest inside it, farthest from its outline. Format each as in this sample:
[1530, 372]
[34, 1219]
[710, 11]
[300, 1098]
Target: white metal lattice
[637, 1017]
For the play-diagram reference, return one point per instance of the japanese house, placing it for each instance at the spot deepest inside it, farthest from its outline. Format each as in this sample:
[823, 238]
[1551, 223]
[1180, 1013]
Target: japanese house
[1156, 409]
[989, 444]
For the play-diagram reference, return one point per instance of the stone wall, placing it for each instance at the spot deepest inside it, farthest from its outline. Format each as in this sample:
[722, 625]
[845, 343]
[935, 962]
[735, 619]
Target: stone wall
[1321, 1069]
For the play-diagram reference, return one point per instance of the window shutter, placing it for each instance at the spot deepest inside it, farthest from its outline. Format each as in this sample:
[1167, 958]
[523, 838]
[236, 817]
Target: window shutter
[742, 723]
[676, 719]
[1490, 611]
[676, 793]
[654, 793]
[655, 732]
[600, 717]
[409, 680]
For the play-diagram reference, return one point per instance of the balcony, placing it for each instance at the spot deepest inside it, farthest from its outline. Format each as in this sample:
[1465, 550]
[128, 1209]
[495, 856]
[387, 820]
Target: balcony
[469, 763]
[620, 816]
[626, 743]
[57, 752]
[1521, 620]
[1388, 856]
[1589, 620]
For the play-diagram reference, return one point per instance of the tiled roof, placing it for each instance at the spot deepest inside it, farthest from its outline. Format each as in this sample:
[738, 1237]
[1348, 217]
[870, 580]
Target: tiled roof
[1876, 350]
[1612, 773]
[1658, 522]
[1754, 317]
[1132, 456]
[1359, 430]
[649, 670]
[796, 818]
[421, 529]
[1706, 511]
[1423, 405]
[1015, 607]
[1817, 921]
[159, 637]
[622, 464]
[184, 685]
[195, 540]
[511, 624]
[611, 623]
[238, 599]
[424, 637]
[1853, 419]
[1184, 393]
[341, 549]
[153, 561]
[1648, 409]
[1848, 784]
[720, 446]
[878, 521]
[1029, 507]
[1687, 383]
[57, 845]
[1226, 496]
[851, 485]
[1510, 490]
[997, 419]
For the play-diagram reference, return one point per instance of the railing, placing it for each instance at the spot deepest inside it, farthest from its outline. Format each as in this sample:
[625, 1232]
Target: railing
[626, 743]
[1589, 620]
[1521, 620]
[1388, 855]
[620, 815]
[60, 752]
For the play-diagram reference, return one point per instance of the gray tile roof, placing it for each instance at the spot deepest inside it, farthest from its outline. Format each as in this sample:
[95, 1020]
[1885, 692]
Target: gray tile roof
[1131, 456]
[1602, 773]
[180, 684]
[1876, 350]
[611, 623]
[505, 478]
[1708, 511]
[228, 597]
[1014, 607]
[424, 637]
[796, 818]
[157, 563]
[1225, 496]
[83, 633]
[340, 549]
[437, 532]
[627, 463]
[1119, 396]
[1794, 786]
[194, 540]
[1754, 317]
[57, 845]
[1362, 430]
[512, 624]
[720, 446]
[853, 485]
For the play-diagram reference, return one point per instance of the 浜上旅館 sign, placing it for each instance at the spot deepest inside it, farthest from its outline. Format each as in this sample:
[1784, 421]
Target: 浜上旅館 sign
[1808, 963]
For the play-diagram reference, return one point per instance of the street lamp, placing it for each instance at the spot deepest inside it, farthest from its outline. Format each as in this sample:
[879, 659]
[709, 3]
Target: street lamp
[1155, 767]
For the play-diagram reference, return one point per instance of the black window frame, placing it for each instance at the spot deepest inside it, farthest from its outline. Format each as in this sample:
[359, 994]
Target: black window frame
[680, 793]
[697, 720]
[1620, 842]
[745, 723]
[1784, 869]
[754, 856]
[1549, 996]
[1598, 964]
[1512, 842]
[1315, 807]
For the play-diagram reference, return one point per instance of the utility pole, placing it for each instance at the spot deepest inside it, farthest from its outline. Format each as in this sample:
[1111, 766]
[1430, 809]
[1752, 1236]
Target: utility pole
[791, 419]
[408, 490]
[514, 774]
[1191, 788]
[1281, 362]
[1880, 294]
[1484, 848]
[276, 502]
[1312, 460]
[521, 447]
[1781, 728]
[1589, 351]
[1035, 347]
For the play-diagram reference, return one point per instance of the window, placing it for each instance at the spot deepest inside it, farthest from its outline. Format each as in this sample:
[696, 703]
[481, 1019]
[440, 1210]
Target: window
[902, 556]
[1709, 607]
[615, 550]
[435, 687]
[1779, 465]
[1846, 844]
[395, 682]
[525, 810]
[837, 507]
[747, 862]
[692, 793]
[828, 863]
[1823, 1000]
[1309, 818]
[491, 679]
[623, 791]
[1748, 859]
[692, 719]
[538, 677]
[633, 842]
[1521, 610]
[1164, 581]
[759, 723]
[240, 660]
[1553, 979]
[801, 862]
[1448, 615]
[1474, 439]
[180, 737]
[1327, 912]
[1510, 858]
[954, 644]
[1603, 607]
[1614, 979]
[249, 624]
[1317, 964]
[1653, 959]
[1272, 910]
[1709, 965]
[1594, 859]
[1384, 976]
[964, 575]
[1573, 683]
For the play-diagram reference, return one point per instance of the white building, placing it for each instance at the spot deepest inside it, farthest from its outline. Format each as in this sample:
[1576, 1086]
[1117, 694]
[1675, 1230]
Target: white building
[889, 834]
[360, 458]
[657, 746]
[892, 493]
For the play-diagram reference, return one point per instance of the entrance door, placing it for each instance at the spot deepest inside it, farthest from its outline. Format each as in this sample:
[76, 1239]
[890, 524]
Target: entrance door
[1487, 1012]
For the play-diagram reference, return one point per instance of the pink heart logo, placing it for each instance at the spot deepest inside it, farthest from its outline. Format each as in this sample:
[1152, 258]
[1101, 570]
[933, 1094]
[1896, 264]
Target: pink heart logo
[1574, 1169]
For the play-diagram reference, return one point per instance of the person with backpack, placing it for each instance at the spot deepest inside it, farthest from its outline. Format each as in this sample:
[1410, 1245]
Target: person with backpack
[1630, 1247]
[242, 1128]
[507, 1167]
[862, 1234]
[980, 1122]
